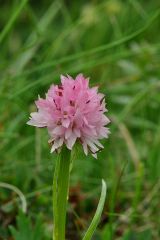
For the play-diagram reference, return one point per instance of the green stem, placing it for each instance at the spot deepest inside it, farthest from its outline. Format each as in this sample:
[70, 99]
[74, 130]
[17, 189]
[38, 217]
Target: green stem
[60, 193]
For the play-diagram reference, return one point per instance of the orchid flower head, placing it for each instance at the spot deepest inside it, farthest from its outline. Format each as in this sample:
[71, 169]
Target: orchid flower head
[72, 111]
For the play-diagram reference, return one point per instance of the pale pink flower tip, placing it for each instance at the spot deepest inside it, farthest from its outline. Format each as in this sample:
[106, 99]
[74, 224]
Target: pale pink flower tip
[72, 111]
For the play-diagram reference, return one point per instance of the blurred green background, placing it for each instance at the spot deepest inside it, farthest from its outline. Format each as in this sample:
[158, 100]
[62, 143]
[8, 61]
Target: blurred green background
[117, 44]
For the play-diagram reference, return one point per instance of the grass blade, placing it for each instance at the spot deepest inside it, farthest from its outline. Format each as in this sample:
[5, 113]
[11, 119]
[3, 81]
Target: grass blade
[98, 213]
[12, 20]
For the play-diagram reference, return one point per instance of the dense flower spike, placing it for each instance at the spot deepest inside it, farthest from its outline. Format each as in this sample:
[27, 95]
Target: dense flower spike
[73, 111]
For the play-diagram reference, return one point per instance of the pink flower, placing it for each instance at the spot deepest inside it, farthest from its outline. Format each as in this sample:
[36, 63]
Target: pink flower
[72, 111]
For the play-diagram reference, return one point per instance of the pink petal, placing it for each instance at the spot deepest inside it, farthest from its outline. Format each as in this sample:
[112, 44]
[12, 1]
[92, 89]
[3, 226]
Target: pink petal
[71, 141]
[65, 123]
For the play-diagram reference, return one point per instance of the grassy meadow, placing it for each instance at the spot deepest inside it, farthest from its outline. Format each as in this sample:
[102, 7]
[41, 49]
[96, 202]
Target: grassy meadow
[117, 44]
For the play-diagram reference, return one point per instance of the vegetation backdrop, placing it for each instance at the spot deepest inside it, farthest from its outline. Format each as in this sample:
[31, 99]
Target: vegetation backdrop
[117, 44]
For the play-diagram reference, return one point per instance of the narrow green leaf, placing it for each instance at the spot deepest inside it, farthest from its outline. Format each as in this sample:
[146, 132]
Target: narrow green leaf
[98, 213]
[12, 20]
